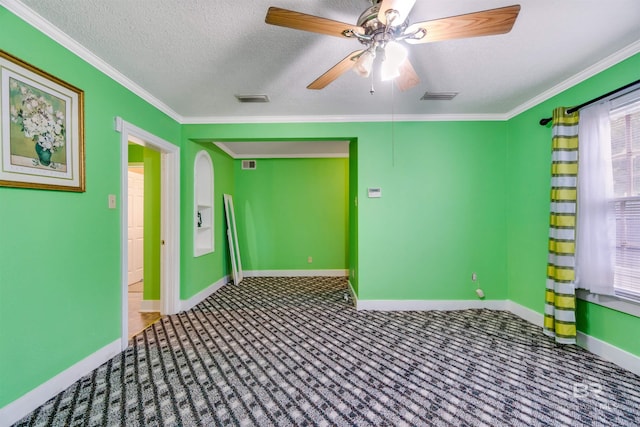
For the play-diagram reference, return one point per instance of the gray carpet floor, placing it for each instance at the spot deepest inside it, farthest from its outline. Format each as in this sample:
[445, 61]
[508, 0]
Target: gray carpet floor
[292, 351]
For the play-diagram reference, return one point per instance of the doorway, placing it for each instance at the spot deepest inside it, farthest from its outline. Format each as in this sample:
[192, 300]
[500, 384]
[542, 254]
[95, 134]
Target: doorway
[143, 243]
[168, 239]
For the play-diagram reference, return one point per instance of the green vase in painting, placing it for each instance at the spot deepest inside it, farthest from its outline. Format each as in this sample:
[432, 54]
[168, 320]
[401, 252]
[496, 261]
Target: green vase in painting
[44, 155]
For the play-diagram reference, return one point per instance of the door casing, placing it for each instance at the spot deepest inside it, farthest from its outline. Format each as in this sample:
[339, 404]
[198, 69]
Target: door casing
[169, 214]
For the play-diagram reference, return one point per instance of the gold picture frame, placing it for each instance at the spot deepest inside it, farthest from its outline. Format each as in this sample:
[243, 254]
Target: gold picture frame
[41, 129]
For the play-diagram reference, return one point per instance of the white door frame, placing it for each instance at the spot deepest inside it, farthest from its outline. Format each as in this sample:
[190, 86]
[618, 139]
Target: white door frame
[169, 218]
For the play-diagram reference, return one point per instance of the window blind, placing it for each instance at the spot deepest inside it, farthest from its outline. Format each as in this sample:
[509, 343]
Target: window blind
[625, 152]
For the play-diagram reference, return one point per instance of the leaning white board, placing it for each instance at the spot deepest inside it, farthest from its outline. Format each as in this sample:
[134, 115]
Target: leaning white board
[232, 237]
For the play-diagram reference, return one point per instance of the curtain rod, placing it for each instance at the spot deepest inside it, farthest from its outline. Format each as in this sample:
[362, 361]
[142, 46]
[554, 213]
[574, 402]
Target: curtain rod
[544, 122]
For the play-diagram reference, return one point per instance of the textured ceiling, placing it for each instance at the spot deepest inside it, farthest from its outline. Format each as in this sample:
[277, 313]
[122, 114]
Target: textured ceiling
[193, 56]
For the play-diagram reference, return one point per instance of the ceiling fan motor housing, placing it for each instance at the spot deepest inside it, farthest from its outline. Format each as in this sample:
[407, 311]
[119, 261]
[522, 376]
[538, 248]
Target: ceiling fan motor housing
[376, 31]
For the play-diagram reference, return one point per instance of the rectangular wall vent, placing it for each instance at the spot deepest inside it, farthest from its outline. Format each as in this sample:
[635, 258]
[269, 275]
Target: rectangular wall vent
[252, 98]
[248, 164]
[438, 96]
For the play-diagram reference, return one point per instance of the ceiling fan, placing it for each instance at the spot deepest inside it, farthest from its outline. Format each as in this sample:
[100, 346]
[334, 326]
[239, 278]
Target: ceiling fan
[381, 28]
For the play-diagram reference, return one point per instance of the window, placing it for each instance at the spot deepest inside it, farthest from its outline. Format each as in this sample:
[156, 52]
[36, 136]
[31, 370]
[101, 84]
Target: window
[625, 153]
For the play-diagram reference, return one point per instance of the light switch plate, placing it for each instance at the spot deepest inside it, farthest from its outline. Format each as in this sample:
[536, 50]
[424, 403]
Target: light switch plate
[112, 201]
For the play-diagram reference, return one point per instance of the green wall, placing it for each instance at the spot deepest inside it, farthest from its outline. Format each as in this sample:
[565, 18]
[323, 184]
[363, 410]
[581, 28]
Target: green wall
[152, 226]
[136, 153]
[441, 215]
[197, 273]
[442, 211]
[60, 291]
[290, 209]
[528, 176]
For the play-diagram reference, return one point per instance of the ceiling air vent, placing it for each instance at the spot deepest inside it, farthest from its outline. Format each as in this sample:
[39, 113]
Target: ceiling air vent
[248, 164]
[438, 96]
[252, 98]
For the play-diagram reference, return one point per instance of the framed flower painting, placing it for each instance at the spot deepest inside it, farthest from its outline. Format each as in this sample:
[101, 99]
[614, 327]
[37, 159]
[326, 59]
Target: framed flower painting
[41, 129]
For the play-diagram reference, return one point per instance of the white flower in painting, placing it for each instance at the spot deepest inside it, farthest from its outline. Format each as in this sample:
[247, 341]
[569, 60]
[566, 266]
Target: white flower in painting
[44, 142]
[38, 119]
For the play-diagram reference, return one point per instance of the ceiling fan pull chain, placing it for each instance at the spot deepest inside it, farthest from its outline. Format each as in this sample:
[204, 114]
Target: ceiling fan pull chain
[372, 90]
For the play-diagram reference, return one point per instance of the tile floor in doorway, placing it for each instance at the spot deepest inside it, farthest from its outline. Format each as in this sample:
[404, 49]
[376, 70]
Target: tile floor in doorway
[138, 321]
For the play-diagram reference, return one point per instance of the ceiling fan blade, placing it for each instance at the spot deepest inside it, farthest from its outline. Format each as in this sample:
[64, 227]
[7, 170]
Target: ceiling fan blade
[403, 7]
[336, 71]
[485, 23]
[314, 24]
[408, 77]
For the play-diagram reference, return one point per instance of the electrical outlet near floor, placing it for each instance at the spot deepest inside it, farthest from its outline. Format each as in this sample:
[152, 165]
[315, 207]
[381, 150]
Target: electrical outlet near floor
[474, 276]
[310, 260]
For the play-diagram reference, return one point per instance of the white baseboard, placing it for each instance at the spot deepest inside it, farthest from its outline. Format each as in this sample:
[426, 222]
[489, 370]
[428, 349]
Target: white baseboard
[203, 294]
[609, 352]
[149, 305]
[24, 405]
[526, 313]
[354, 297]
[421, 305]
[296, 273]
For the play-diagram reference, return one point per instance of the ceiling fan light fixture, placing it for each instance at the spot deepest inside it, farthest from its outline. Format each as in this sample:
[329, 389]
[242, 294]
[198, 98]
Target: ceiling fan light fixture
[395, 55]
[364, 64]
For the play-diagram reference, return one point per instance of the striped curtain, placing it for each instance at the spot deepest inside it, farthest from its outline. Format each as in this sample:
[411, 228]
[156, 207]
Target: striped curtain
[560, 297]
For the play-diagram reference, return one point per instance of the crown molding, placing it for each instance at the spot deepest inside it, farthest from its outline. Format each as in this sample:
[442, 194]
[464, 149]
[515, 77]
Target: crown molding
[343, 119]
[591, 71]
[47, 28]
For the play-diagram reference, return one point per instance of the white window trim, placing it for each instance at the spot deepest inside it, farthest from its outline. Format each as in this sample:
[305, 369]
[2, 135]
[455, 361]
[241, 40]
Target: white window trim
[611, 301]
[616, 302]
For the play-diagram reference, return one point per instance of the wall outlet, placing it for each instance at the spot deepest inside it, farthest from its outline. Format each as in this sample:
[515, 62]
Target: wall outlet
[112, 201]
[474, 276]
[310, 260]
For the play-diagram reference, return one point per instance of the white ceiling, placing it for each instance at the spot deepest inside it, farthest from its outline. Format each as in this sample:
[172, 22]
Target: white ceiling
[190, 57]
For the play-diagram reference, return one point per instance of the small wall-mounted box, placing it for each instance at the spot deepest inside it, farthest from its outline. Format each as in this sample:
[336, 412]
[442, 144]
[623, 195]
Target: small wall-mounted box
[374, 192]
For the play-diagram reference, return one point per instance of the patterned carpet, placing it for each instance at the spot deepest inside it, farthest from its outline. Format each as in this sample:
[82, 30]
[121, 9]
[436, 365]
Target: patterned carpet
[292, 351]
